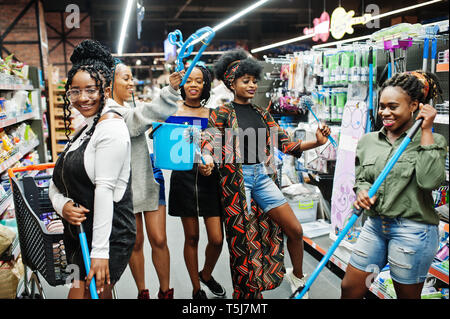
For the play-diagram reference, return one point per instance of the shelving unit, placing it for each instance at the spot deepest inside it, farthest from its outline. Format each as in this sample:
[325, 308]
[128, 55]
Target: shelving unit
[5, 202]
[22, 118]
[55, 101]
[34, 119]
[12, 87]
[21, 152]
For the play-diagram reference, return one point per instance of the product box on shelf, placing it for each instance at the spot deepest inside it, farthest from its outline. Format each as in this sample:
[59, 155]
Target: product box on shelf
[303, 199]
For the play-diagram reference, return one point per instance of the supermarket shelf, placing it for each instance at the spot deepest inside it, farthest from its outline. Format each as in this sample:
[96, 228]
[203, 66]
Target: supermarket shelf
[335, 264]
[11, 87]
[442, 67]
[441, 119]
[439, 273]
[60, 148]
[4, 204]
[16, 157]
[21, 118]
[379, 291]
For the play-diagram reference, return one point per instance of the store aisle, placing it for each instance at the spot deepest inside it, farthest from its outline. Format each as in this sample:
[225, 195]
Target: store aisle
[326, 286]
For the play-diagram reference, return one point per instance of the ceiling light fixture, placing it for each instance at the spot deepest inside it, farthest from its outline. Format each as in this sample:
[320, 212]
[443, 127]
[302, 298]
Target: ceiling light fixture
[274, 45]
[348, 40]
[123, 31]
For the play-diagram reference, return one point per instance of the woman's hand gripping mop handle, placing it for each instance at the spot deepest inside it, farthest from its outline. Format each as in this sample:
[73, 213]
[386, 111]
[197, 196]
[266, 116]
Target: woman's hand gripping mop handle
[86, 259]
[357, 213]
[307, 102]
[204, 35]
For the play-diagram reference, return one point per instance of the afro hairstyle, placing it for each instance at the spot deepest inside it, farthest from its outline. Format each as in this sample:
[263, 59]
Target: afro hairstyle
[248, 65]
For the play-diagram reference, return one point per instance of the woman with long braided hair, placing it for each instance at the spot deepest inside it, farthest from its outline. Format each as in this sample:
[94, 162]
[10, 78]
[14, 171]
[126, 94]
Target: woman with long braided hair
[402, 225]
[91, 180]
[147, 181]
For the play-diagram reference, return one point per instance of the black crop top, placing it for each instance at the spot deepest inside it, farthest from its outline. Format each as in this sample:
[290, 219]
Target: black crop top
[252, 136]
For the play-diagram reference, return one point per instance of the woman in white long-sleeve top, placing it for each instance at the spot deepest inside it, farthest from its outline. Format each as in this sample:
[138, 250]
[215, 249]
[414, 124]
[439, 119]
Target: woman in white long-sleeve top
[91, 180]
[146, 191]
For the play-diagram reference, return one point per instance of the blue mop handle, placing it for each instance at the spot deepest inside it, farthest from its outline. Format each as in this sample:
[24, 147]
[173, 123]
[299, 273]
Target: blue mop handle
[370, 110]
[87, 260]
[332, 141]
[197, 149]
[356, 213]
[425, 54]
[433, 54]
[389, 70]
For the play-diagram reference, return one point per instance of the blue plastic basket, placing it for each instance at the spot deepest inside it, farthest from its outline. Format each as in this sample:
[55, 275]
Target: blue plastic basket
[171, 148]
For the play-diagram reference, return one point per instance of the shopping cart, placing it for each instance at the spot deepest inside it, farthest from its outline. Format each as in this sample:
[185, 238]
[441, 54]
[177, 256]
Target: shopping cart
[42, 251]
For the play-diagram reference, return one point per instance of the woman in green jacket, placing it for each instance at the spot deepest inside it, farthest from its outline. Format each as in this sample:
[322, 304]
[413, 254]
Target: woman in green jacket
[402, 226]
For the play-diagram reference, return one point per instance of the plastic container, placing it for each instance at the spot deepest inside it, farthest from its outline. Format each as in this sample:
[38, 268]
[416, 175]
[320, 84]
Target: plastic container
[172, 150]
[305, 208]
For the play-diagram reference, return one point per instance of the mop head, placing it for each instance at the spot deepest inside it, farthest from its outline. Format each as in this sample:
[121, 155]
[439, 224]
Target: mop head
[306, 102]
[192, 135]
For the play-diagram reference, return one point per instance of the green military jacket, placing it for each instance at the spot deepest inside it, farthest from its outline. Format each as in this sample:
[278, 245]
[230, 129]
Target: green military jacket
[407, 190]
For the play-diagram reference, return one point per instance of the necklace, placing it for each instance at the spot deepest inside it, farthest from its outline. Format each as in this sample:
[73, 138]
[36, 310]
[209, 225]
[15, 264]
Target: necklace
[192, 106]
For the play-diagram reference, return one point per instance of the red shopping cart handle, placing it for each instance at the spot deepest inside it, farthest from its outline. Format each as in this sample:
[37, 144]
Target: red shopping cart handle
[38, 167]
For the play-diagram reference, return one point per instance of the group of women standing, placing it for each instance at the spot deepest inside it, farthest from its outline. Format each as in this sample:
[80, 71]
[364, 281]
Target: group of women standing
[119, 190]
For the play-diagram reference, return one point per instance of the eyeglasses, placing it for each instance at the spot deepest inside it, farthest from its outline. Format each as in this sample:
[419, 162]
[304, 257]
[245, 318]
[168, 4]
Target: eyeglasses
[75, 94]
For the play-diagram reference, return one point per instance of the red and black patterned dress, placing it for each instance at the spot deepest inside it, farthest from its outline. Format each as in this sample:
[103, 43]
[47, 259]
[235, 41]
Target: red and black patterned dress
[255, 242]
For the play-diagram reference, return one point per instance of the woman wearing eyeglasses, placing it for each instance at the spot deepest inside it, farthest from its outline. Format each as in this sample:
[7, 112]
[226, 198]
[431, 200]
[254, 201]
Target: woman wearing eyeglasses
[91, 179]
[148, 193]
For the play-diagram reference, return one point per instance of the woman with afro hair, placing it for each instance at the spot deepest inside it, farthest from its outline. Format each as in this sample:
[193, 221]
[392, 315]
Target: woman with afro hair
[256, 214]
[91, 179]
[402, 225]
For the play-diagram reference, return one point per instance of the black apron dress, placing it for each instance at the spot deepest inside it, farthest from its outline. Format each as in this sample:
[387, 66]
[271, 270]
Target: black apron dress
[72, 181]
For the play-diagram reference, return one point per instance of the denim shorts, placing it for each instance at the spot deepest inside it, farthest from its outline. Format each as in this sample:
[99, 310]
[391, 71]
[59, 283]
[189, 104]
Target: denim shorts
[408, 246]
[260, 187]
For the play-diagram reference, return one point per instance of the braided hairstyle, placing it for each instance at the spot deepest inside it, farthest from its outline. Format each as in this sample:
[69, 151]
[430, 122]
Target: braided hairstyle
[89, 56]
[207, 80]
[242, 63]
[419, 85]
